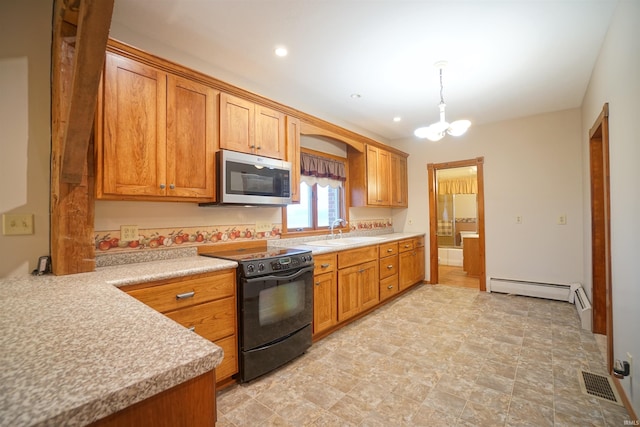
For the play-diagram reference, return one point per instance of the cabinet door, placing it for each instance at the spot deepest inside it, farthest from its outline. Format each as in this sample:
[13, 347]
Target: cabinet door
[378, 164]
[269, 133]
[369, 283]
[348, 292]
[325, 301]
[293, 155]
[133, 145]
[191, 138]
[399, 181]
[237, 124]
[408, 268]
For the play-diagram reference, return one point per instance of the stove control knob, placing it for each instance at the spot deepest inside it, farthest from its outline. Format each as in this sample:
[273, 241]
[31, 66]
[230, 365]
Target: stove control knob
[251, 268]
[261, 267]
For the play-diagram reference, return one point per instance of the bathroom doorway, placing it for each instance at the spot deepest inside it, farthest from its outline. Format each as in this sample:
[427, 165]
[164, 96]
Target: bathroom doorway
[456, 223]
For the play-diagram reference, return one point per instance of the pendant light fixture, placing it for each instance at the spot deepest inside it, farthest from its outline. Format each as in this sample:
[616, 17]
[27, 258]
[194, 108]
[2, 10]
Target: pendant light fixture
[436, 131]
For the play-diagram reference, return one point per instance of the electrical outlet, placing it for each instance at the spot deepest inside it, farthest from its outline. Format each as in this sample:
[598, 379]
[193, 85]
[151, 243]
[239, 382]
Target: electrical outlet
[16, 224]
[518, 219]
[562, 219]
[129, 233]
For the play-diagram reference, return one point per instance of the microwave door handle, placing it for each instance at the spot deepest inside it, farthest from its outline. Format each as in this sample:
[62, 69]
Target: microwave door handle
[276, 277]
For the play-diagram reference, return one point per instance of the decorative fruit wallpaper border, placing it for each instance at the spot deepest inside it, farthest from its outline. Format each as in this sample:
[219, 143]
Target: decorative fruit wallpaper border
[192, 236]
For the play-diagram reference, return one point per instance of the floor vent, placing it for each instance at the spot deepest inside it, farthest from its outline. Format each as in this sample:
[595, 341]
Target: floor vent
[599, 386]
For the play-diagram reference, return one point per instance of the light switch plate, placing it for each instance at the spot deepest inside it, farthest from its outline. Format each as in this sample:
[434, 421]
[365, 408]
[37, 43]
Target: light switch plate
[16, 224]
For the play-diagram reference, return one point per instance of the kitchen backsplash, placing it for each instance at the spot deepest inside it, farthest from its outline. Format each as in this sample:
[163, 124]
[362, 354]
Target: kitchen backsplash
[178, 237]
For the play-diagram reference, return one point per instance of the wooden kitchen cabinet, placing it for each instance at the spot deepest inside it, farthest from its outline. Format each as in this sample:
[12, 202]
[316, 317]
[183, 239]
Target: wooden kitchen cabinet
[399, 181]
[155, 134]
[204, 303]
[388, 267]
[358, 286]
[325, 293]
[411, 260]
[251, 128]
[377, 177]
[293, 155]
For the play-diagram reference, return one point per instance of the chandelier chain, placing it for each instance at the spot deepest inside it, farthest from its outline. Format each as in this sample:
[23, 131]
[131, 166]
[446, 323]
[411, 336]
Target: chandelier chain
[441, 88]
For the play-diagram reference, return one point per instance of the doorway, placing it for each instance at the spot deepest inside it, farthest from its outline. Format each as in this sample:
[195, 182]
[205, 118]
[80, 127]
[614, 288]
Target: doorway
[601, 230]
[448, 230]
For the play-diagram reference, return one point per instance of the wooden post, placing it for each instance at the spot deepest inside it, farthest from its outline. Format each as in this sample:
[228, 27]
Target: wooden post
[80, 32]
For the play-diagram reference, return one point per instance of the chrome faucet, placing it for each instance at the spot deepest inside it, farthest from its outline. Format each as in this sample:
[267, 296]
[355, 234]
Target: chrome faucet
[333, 224]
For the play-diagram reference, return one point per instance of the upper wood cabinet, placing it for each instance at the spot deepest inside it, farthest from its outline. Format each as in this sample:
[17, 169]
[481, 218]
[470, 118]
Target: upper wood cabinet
[155, 134]
[251, 128]
[399, 181]
[377, 178]
[293, 155]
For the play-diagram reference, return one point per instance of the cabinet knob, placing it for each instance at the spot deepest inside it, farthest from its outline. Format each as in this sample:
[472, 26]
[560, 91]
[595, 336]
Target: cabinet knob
[390, 287]
[389, 267]
[361, 271]
[259, 147]
[407, 246]
[389, 250]
[162, 186]
[172, 186]
[317, 283]
[324, 265]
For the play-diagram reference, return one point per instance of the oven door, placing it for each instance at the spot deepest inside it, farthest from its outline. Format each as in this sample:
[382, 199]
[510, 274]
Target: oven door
[275, 306]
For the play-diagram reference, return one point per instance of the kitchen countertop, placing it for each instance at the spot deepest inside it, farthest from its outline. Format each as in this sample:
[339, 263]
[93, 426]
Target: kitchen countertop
[75, 348]
[299, 243]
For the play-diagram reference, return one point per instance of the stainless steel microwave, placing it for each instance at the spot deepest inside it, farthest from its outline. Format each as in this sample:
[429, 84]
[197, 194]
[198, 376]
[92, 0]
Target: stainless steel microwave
[247, 179]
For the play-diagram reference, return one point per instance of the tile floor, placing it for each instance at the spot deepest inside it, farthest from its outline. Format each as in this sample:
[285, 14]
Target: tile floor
[437, 356]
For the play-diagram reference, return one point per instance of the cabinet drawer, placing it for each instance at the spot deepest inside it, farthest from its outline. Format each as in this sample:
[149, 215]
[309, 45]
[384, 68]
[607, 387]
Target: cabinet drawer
[388, 266]
[187, 292]
[388, 287]
[229, 364]
[388, 249]
[419, 242]
[211, 320]
[406, 245]
[357, 256]
[324, 263]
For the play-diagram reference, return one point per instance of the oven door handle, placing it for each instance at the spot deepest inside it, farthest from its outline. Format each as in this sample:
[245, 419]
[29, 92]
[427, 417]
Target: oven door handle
[276, 277]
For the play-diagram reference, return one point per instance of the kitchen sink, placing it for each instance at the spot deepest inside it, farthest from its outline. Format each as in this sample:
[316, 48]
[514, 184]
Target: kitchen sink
[346, 241]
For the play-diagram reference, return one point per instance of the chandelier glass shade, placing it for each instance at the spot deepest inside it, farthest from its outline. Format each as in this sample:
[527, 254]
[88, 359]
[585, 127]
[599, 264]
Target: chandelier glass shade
[438, 130]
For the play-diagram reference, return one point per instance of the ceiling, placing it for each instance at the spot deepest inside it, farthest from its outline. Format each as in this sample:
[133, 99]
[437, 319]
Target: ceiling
[506, 59]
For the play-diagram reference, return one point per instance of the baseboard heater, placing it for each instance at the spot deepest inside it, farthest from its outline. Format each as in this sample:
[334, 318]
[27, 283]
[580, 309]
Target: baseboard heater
[572, 293]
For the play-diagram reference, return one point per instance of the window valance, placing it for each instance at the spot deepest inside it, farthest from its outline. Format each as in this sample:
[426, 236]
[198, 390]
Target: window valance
[465, 185]
[322, 167]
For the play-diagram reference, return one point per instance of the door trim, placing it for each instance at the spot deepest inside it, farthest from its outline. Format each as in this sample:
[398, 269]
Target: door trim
[601, 294]
[433, 216]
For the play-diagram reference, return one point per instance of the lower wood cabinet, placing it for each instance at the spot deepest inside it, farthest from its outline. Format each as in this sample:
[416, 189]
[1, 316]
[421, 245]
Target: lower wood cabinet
[325, 293]
[411, 260]
[358, 287]
[204, 303]
[388, 270]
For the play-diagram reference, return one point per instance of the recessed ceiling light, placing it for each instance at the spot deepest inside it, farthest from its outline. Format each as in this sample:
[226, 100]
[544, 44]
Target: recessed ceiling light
[281, 51]
[397, 118]
[356, 96]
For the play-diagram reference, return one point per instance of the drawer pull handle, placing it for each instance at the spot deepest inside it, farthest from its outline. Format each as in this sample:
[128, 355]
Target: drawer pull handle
[324, 265]
[317, 283]
[361, 271]
[390, 287]
[389, 250]
[390, 266]
[407, 246]
[192, 328]
[186, 295]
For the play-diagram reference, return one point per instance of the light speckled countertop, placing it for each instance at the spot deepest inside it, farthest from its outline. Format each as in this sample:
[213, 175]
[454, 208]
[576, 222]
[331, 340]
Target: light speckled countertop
[75, 348]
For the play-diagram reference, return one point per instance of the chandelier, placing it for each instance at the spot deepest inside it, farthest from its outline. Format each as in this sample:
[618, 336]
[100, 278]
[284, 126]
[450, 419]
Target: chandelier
[436, 131]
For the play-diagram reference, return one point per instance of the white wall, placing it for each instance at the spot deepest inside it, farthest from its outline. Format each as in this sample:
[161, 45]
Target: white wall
[532, 168]
[25, 138]
[616, 80]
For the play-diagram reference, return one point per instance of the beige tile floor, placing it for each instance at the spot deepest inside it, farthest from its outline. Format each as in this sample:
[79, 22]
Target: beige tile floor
[437, 356]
